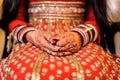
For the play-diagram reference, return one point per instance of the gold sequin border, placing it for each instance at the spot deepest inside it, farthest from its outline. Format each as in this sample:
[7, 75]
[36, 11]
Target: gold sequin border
[38, 66]
[71, 3]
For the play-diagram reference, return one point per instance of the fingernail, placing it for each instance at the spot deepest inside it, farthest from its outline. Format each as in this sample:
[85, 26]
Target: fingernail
[68, 53]
[64, 49]
[53, 41]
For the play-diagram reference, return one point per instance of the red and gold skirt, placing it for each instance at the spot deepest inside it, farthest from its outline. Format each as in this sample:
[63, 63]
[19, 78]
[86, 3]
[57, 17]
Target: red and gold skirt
[27, 62]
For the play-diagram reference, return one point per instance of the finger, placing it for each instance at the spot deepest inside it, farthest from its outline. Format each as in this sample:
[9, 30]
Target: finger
[52, 40]
[50, 52]
[58, 38]
[41, 41]
[73, 50]
[48, 45]
[66, 53]
[71, 47]
[59, 54]
[49, 39]
[63, 42]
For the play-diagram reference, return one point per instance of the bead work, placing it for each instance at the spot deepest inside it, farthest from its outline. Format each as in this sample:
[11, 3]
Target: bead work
[56, 17]
[91, 62]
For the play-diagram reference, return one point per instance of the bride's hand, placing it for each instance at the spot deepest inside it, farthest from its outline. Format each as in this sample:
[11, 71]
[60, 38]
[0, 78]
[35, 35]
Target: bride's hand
[43, 41]
[70, 40]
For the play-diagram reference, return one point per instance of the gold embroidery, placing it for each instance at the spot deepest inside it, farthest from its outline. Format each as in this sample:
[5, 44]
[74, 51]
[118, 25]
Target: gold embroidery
[56, 17]
[49, 21]
[12, 56]
[101, 59]
[79, 68]
[57, 3]
[37, 66]
[59, 29]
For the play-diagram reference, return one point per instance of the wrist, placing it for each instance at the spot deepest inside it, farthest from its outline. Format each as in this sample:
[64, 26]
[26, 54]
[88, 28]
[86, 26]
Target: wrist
[88, 33]
[29, 35]
[19, 33]
[78, 39]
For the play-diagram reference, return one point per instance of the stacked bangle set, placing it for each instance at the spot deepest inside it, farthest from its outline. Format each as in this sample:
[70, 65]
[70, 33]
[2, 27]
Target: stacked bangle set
[87, 32]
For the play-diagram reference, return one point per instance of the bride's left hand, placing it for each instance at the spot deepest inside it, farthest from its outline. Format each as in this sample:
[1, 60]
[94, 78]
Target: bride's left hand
[70, 40]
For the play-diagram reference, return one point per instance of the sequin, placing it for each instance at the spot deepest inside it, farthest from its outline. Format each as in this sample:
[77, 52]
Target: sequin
[59, 63]
[15, 62]
[74, 74]
[19, 65]
[72, 65]
[23, 69]
[23, 58]
[11, 73]
[87, 59]
[27, 76]
[97, 78]
[84, 63]
[66, 79]
[52, 66]
[66, 68]
[44, 71]
[51, 77]
[27, 60]
[59, 73]
[15, 77]
[31, 65]
[52, 59]
[88, 72]
[45, 61]
[93, 67]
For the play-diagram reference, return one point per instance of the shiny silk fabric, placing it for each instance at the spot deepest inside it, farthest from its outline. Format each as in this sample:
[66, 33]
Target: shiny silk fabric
[27, 62]
[56, 17]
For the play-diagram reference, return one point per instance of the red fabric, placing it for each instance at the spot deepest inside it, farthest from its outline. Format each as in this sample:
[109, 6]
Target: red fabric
[20, 18]
[25, 59]
[28, 62]
[16, 22]
[91, 20]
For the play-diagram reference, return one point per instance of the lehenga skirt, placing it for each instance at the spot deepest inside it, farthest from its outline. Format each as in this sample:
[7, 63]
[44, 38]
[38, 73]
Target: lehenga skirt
[27, 62]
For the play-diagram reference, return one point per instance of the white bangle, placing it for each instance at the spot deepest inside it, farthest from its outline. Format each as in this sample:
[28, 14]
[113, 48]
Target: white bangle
[20, 38]
[83, 34]
[16, 31]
